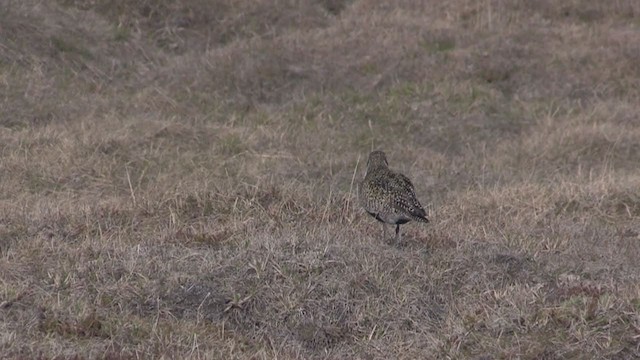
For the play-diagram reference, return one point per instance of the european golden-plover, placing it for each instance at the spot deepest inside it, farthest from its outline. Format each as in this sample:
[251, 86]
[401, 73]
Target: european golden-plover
[389, 196]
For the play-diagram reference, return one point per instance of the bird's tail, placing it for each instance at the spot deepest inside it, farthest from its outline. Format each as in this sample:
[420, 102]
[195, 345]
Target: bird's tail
[420, 215]
[421, 219]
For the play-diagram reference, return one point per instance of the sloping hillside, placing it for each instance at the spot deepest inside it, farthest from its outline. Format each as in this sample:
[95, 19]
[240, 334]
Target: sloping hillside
[178, 179]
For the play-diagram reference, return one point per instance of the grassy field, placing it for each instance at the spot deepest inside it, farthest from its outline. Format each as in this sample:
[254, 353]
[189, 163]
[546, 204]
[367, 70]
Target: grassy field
[178, 179]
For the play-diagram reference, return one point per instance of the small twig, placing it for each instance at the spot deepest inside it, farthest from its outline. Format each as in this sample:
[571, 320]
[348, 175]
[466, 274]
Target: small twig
[372, 332]
[200, 307]
[133, 195]
[353, 178]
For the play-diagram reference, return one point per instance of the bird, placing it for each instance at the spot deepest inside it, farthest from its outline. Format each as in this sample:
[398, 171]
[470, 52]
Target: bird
[389, 196]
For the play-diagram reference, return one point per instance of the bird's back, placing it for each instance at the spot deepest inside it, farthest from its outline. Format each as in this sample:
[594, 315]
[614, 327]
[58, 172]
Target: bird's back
[390, 197]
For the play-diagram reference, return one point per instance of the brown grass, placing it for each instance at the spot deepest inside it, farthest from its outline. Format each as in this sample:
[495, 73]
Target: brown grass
[176, 179]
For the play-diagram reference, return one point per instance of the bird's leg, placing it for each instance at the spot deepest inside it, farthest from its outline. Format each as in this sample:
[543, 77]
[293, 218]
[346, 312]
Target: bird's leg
[398, 234]
[384, 232]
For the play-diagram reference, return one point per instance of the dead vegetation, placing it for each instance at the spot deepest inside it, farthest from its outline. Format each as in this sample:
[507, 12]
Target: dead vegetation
[177, 179]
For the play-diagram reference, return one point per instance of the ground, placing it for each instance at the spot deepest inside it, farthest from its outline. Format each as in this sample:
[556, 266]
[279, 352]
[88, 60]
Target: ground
[178, 179]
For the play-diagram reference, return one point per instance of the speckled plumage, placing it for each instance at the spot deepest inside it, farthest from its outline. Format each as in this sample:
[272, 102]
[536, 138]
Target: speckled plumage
[389, 196]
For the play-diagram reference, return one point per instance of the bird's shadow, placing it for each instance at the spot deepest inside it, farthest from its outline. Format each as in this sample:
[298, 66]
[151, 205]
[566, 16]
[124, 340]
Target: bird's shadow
[420, 240]
[407, 242]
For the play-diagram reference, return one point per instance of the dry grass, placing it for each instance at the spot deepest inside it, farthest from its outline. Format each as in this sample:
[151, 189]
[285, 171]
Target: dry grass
[176, 179]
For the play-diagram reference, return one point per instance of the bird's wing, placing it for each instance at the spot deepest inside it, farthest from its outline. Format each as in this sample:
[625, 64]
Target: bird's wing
[406, 198]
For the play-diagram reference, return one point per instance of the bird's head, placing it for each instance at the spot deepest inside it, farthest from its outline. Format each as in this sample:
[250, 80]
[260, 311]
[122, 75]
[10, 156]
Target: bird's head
[377, 159]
